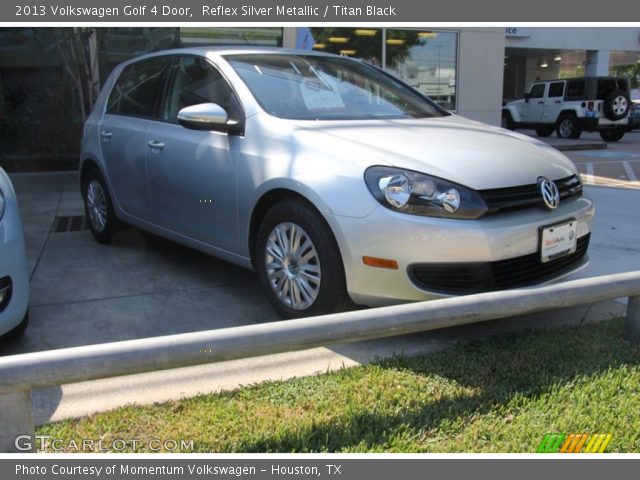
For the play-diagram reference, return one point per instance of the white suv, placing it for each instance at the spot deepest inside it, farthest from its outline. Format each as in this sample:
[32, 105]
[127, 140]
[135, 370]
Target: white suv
[572, 105]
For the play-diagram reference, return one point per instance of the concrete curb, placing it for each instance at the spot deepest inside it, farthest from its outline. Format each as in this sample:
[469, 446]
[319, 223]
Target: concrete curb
[580, 146]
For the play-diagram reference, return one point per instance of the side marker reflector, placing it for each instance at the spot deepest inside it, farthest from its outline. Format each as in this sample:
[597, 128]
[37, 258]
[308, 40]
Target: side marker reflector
[380, 262]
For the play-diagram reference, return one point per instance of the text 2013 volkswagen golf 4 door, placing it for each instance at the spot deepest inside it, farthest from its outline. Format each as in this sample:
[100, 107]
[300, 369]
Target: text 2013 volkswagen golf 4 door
[329, 177]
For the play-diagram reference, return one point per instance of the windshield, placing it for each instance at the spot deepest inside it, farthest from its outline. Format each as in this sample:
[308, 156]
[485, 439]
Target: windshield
[313, 87]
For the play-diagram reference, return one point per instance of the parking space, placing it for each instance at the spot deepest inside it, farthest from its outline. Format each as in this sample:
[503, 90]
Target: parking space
[616, 166]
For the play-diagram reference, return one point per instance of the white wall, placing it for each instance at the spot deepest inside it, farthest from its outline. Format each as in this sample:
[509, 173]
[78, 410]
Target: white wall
[578, 38]
[480, 67]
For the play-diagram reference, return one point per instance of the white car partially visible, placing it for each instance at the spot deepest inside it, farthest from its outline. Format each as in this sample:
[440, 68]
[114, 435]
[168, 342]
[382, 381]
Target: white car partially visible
[14, 274]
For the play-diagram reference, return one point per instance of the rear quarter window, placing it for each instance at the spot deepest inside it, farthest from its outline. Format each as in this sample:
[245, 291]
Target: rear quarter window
[575, 90]
[556, 89]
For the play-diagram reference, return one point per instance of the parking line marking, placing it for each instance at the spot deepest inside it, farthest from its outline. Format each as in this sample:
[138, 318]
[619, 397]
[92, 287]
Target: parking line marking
[588, 178]
[629, 171]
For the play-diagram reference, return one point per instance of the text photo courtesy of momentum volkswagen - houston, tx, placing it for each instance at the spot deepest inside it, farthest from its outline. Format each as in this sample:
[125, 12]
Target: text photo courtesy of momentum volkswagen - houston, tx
[318, 229]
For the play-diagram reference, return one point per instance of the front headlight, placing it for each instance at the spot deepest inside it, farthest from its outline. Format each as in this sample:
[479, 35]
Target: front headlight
[419, 194]
[3, 204]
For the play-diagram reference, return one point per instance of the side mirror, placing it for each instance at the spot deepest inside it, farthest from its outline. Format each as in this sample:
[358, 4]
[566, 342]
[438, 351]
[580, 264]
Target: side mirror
[527, 96]
[204, 116]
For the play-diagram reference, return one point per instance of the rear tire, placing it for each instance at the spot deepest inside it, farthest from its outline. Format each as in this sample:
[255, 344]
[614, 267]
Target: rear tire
[99, 207]
[298, 261]
[568, 127]
[612, 135]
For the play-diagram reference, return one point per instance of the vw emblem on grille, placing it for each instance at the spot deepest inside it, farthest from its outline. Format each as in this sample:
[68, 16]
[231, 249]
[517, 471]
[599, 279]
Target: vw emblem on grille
[550, 193]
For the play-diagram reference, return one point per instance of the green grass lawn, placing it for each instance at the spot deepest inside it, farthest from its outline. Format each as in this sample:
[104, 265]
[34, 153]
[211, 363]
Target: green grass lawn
[495, 395]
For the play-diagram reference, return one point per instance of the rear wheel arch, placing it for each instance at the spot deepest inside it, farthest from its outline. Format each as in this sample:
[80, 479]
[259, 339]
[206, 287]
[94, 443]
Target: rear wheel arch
[567, 111]
[88, 165]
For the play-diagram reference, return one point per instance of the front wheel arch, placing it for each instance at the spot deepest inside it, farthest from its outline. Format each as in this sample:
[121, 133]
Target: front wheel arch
[265, 202]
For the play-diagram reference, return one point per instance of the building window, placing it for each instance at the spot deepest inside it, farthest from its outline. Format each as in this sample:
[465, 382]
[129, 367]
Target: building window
[118, 44]
[266, 36]
[363, 43]
[426, 60]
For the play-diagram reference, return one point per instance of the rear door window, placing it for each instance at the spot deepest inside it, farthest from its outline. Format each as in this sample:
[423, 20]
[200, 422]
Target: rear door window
[556, 89]
[138, 88]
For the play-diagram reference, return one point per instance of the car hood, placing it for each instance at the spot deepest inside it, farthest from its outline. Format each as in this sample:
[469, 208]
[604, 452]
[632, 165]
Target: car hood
[470, 153]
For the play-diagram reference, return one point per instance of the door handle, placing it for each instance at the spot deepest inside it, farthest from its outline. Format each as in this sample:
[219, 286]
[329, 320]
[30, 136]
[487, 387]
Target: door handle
[156, 144]
[106, 135]
[558, 101]
[541, 102]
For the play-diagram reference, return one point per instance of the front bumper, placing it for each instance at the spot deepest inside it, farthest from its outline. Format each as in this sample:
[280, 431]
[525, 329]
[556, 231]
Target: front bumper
[13, 265]
[418, 241]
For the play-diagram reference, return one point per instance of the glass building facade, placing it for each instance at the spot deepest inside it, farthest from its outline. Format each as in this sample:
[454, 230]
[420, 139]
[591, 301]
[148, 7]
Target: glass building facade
[425, 59]
[50, 77]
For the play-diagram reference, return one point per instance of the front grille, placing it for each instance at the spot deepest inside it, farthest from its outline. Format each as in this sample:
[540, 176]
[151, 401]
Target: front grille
[5, 292]
[527, 196]
[465, 278]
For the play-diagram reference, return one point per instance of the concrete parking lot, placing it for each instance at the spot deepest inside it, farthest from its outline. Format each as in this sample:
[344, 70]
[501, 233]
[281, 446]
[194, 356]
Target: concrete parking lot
[84, 293]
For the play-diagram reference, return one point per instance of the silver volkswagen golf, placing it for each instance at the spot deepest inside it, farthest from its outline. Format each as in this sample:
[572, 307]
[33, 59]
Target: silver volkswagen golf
[332, 179]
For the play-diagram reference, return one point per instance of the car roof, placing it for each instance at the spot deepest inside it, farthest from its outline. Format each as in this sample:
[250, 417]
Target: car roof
[580, 78]
[230, 50]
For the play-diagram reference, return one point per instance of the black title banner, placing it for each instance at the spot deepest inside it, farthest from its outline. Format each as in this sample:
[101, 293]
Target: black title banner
[310, 11]
[330, 467]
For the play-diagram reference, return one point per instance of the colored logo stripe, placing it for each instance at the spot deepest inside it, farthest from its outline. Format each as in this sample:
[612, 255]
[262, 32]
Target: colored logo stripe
[598, 443]
[551, 443]
[574, 443]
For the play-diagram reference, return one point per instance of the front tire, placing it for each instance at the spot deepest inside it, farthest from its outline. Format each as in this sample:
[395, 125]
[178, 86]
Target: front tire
[19, 329]
[544, 131]
[298, 261]
[99, 207]
[568, 127]
[507, 121]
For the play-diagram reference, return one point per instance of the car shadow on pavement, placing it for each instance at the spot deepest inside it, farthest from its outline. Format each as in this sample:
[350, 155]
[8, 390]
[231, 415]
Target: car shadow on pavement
[141, 286]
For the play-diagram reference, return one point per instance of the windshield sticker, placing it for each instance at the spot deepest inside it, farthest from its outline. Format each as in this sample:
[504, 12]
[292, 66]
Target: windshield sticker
[319, 95]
